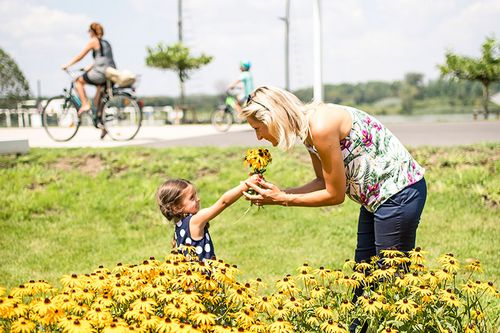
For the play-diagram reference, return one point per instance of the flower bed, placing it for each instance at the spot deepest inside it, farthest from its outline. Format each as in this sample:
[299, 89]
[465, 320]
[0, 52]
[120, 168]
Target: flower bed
[400, 294]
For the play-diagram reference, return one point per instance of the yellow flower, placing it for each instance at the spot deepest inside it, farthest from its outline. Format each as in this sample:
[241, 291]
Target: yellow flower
[417, 256]
[412, 279]
[166, 325]
[469, 288]
[42, 307]
[348, 264]
[444, 275]
[145, 304]
[331, 326]
[489, 287]
[71, 281]
[382, 273]
[280, 326]
[237, 296]
[348, 282]
[76, 325]
[312, 321]
[285, 284]
[318, 292]
[389, 330]
[324, 312]
[449, 298]
[245, 317]
[370, 305]
[346, 306]
[22, 325]
[263, 304]
[451, 265]
[406, 305]
[175, 310]
[99, 317]
[477, 315]
[401, 315]
[363, 267]
[21, 291]
[474, 266]
[203, 318]
[470, 328]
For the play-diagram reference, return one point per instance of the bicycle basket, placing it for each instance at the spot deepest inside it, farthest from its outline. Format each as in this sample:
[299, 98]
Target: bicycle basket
[122, 78]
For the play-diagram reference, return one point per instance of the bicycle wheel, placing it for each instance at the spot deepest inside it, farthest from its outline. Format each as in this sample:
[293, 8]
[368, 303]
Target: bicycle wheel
[60, 118]
[222, 119]
[122, 117]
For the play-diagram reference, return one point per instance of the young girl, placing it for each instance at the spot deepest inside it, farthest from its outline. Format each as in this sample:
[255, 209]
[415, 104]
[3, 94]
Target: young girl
[179, 202]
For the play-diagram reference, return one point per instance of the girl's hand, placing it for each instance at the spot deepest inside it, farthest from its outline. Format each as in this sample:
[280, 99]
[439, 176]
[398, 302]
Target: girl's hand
[267, 193]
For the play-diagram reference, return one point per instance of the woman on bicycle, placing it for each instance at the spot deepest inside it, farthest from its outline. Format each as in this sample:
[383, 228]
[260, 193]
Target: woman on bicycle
[94, 73]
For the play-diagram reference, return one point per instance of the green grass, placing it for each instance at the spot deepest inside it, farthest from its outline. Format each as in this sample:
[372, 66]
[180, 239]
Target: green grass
[70, 210]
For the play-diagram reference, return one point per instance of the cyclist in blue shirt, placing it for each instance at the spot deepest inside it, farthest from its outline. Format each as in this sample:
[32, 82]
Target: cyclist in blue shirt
[245, 83]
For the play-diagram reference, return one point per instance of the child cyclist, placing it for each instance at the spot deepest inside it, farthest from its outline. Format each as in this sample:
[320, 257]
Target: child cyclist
[179, 203]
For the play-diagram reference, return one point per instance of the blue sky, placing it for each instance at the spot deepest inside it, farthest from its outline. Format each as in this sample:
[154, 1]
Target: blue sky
[363, 40]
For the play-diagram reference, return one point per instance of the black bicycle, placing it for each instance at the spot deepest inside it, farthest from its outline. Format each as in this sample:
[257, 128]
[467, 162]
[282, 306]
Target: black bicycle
[118, 112]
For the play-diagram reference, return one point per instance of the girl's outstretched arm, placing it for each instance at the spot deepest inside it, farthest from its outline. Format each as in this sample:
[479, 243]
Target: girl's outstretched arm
[200, 219]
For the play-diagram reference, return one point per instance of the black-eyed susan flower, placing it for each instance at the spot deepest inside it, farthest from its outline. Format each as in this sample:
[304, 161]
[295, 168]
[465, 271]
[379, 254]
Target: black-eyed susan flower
[474, 265]
[71, 281]
[489, 288]
[346, 306]
[470, 328]
[324, 312]
[76, 325]
[99, 317]
[401, 315]
[166, 325]
[389, 329]
[42, 306]
[22, 325]
[348, 264]
[145, 304]
[175, 310]
[280, 326]
[417, 256]
[370, 305]
[451, 265]
[203, 318]
[264, 304]
[407, 305]
[331, 326]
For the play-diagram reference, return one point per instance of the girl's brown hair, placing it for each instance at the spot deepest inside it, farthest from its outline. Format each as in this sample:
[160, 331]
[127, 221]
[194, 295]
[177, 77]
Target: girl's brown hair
[169, 196]
[97, 29]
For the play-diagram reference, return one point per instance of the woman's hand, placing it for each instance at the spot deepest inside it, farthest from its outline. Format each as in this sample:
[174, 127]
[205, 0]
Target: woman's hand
[266, 193]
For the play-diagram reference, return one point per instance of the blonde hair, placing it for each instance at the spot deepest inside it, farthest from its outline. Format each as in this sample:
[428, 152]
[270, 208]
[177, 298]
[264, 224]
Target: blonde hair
[281, 111]
[169, 196]
[97, 29]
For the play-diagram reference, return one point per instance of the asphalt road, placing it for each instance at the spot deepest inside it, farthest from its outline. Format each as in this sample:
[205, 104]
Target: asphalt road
[410, 134]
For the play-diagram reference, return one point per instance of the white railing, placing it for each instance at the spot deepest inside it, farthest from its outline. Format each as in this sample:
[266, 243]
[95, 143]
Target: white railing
[31, 117]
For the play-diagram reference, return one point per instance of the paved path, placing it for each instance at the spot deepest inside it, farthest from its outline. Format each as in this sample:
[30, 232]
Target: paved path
[411, 134]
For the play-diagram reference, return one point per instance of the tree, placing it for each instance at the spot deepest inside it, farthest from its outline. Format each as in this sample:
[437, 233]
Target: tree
[13, 84]
[485, 69]
[177, 58]
[411, 89]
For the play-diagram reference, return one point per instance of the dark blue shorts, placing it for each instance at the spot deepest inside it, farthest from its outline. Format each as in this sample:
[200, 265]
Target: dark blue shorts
[393, 225]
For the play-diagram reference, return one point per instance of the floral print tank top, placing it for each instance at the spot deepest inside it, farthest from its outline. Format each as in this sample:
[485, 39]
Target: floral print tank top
[376, 163]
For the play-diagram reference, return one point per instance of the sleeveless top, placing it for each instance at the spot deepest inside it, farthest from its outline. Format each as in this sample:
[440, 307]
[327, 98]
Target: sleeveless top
[103, 58]
[204, 247]
[376, 163]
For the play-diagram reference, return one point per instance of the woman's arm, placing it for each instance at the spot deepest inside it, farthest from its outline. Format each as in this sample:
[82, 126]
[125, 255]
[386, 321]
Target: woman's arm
[200, 219]
[314, 185]
[91, 45]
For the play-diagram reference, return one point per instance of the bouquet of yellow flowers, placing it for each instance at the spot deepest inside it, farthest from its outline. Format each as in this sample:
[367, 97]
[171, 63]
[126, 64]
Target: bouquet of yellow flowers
[257, 160]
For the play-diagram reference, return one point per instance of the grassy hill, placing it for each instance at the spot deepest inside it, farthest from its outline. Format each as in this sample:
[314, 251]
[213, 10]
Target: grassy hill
[70, 210]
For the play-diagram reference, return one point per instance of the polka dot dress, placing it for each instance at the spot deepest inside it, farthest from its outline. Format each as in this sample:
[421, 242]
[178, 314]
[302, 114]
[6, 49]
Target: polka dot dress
[204, 247]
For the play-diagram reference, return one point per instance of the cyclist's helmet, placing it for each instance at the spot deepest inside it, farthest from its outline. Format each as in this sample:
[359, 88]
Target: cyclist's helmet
[245, 65]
